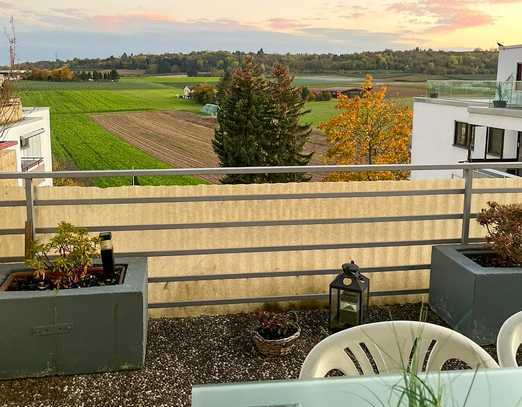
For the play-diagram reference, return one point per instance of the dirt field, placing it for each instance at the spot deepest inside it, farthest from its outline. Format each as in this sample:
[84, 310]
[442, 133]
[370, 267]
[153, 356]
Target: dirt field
[179, 138]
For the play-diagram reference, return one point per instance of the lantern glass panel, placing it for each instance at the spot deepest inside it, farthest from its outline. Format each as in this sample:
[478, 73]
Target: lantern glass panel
[334, 306]
[349, 308]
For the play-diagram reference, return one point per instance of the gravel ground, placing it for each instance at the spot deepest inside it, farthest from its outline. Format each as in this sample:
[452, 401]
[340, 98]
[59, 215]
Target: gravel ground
[185, 352]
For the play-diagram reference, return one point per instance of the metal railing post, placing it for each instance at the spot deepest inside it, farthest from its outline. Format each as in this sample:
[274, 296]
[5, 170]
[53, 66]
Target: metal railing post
[29, 222]
[468, 195]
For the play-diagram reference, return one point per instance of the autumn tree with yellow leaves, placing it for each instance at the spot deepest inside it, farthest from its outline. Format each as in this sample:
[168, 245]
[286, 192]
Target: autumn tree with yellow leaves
[369, 129]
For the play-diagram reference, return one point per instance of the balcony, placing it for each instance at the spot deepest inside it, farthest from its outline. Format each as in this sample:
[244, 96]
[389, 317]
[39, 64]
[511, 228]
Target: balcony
[477, 91]
[216, 253]
[28, 163]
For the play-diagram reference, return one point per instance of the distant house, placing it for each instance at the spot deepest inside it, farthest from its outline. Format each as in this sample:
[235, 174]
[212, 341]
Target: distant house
[16, 74]
[187, 92]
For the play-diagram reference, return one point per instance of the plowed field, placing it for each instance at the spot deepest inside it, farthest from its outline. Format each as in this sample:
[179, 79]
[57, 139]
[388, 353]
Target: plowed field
[179, 138]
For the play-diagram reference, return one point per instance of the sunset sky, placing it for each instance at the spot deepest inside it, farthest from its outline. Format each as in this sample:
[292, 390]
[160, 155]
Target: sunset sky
[93, 28]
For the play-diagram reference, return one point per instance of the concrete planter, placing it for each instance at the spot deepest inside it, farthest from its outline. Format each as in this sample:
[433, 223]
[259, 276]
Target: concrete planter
[472, 299]
[83, 330]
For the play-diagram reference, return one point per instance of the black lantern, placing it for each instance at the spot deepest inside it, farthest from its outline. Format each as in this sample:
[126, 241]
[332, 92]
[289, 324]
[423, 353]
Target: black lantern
[349, 296]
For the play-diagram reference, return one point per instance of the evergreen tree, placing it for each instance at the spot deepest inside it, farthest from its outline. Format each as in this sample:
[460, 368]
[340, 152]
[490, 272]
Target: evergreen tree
[259, 124]
[286, 143]
[114, 75]
[243, 121]
[222, 85]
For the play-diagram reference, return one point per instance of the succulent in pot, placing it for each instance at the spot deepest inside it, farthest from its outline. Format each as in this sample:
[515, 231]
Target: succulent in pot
[276, 333]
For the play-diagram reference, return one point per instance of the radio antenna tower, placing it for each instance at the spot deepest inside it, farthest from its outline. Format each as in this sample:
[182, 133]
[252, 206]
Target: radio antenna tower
[10, 34]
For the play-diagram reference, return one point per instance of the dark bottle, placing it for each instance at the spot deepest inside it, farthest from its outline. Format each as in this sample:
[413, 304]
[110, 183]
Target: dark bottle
[107, 252]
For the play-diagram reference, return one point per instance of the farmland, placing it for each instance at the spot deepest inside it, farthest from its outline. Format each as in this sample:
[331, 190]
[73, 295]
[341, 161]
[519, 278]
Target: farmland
[81, 142]
[179, 138]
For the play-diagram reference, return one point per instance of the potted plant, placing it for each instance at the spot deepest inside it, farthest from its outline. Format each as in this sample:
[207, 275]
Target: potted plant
[432, 90]
[501, 97]
[62, 313]
[475, 288]
[276, 333]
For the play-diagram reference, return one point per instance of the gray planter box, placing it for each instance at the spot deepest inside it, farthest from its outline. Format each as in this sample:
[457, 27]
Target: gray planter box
[472, 299]
[81, 330]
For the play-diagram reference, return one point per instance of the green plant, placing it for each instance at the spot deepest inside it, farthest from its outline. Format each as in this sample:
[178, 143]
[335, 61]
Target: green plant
[65, 259]
[501, 94]
[504, 226]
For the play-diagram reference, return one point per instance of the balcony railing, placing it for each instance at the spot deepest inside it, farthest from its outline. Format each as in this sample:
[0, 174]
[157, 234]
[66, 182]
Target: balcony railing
[485, 91]
[30, 162]
[222, 237]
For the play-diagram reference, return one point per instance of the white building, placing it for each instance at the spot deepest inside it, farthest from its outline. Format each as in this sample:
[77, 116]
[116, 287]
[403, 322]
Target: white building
[30, 138]
[459, 122]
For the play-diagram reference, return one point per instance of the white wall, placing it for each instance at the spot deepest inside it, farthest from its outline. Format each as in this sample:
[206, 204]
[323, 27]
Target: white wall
[432, 140]
[34, 120]
[507, 63]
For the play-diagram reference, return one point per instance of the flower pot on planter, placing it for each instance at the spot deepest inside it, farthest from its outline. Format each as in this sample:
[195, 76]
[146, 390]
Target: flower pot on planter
[276, 347]
[499, 103]
[472, 299]
[76, 330]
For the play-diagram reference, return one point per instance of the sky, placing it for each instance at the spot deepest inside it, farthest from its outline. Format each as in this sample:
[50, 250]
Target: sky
[47, 29]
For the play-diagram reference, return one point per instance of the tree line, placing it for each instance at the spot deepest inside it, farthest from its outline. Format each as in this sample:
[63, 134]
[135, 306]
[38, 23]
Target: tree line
[66, 74]
[216, 63]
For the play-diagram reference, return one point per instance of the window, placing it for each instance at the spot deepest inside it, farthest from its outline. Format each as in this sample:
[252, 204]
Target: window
[495, 143]
[464, 135]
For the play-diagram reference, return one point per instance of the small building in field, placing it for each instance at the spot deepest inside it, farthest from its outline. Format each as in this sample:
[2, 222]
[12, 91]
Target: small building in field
[187, 92]
[210, 109]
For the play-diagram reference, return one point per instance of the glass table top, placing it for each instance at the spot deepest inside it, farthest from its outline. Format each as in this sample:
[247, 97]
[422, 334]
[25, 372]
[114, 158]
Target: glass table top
[482, 388]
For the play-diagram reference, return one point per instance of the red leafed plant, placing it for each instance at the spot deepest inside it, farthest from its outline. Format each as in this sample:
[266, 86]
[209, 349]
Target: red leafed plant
[504, 226]
[274, 326]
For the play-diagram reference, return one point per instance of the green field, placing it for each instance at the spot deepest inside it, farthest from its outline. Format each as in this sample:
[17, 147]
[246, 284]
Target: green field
[79, 143]
[99, 101]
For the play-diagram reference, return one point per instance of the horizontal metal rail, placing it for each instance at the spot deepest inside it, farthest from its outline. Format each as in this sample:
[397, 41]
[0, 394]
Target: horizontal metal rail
[274, 299]
[290, 248]
[253, 197]
[247, 224]
[281, 274]
[258, 170]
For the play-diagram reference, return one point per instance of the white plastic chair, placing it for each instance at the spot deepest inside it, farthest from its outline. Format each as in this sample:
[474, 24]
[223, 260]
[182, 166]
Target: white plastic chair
[509, 340]
[389, 347]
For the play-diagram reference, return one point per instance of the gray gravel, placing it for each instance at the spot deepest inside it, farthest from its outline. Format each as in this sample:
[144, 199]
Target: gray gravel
[184, 352]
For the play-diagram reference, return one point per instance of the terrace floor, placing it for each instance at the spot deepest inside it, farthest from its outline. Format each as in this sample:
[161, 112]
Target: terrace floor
[184, 352]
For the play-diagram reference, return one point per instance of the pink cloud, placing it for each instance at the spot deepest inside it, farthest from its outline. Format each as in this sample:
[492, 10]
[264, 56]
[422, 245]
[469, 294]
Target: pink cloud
[448, 15]
[284, 24]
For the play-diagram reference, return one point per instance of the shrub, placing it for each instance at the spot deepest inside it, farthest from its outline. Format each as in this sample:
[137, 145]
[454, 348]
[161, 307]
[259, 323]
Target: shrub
[504, 226]
[74, 250]
[204, 94]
